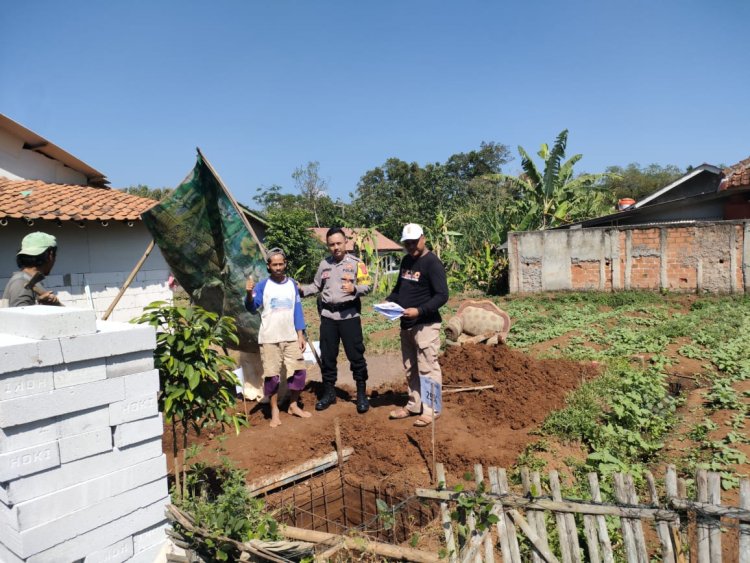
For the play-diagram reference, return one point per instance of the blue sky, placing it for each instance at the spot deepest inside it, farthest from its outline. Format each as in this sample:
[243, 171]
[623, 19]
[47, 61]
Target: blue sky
[264, 87]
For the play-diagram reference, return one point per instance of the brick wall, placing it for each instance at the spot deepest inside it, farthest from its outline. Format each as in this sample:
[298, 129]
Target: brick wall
[712, 257]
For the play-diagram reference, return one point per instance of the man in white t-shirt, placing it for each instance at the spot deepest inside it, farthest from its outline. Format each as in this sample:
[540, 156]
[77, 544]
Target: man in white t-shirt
[281, 337]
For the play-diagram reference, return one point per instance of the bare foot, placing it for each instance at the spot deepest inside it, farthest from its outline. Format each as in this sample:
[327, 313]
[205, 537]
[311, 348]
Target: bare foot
[296, 411]
[275, 419]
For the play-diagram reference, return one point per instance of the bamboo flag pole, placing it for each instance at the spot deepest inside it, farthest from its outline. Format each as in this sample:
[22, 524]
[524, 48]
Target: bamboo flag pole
[129, 280]
[235, 204]
[252, 232]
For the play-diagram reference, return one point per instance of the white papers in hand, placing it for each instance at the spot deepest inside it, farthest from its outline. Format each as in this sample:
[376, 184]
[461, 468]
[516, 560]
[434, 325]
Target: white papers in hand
[390, 310]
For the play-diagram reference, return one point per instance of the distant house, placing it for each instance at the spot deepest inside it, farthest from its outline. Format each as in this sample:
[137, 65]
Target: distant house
[692, 236]
[388, 251]
[99, 231]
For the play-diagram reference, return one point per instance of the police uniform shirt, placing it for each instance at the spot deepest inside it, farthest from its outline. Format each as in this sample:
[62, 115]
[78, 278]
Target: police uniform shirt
[328, 281]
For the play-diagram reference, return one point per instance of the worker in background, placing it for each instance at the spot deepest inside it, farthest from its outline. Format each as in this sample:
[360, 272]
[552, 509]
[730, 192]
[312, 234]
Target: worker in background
[35, 260]
[341, 280]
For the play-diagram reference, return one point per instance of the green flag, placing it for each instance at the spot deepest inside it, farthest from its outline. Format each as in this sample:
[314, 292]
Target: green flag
[208, 247]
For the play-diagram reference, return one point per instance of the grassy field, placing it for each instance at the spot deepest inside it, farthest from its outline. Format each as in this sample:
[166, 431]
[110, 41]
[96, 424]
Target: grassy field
[675, 383]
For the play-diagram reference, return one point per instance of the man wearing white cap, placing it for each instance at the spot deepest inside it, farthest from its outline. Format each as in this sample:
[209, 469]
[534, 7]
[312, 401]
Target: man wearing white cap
[421, 289]
[37, 256]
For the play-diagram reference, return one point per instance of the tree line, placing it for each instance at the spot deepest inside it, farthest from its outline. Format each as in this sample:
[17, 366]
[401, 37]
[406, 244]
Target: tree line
[467, 204]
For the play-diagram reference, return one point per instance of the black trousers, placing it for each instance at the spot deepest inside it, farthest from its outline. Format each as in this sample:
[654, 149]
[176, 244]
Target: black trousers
[348, 331]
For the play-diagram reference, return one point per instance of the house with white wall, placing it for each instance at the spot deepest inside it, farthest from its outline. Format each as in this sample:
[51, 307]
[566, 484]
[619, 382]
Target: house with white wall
[99, 231]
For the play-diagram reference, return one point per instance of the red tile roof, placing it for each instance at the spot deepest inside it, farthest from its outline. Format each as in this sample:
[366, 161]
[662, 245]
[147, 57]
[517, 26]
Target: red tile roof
[738, 175]
[383, 243]
[34, 199]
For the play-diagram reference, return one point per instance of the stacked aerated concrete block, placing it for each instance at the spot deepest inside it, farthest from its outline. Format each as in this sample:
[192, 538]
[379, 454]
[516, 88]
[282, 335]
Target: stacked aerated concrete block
[82, 474]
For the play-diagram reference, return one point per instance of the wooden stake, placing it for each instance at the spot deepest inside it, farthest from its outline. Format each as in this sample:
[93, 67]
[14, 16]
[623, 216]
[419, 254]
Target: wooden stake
[662, 528]
[530, 514]
[489, 550]
[541, 519]
[562, 525]
[714, 529]
[325, 504]
[434, 423]
[542, 549]
[465, 389]
[310, 467]
[704, 546]
[445, 517]
[745, 528]
[628, 534]
[515, 552]
[235, 204]
[640, 540]
[498, 510]
[128, 281]
[671, 486]
[601, 522]
[361, 544]
[340, 456]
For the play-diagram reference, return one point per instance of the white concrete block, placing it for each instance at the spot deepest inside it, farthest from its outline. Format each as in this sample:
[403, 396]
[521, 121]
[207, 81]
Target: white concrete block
[85, 445]
[18, 353]
[81, 470]
[133, 432]
[51, 429]
[137, 384]
[78, 373]
[101, 537]
[40, 510]
[115, 553]
[134, 408]
[7, 556]
[112, 339]
[29, 460]
[154, 554]
[47, 323]
[27, 435]
[82, 421]
[26, 382]
[81, 521]
[146, 538]
[125, 364]
[11, 539]
[60, 401]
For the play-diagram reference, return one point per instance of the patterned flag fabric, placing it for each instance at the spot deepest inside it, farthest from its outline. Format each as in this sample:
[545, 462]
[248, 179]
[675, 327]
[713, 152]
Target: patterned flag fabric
[208, 247]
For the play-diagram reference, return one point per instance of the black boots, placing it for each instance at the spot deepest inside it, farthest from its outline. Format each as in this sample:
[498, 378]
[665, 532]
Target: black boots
[328, 398]
[362, 404]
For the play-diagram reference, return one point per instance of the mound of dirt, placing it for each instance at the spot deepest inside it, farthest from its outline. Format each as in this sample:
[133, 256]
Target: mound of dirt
[490, 426]
[525, 391]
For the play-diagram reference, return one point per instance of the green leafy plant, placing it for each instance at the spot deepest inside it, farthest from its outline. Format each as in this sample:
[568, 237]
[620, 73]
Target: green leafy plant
[218, 500]
[386, 515]
[197, 384]
[476, 503]
[723, 396]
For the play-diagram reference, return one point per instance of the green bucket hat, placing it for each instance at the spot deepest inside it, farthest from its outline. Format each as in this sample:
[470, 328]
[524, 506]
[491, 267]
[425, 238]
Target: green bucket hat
[36, 243]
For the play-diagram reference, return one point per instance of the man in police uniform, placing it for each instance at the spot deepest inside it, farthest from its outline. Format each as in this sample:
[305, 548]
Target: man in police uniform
[341, 280]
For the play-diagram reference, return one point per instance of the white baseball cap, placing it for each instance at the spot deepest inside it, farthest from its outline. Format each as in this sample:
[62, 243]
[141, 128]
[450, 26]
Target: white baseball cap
[412, 231]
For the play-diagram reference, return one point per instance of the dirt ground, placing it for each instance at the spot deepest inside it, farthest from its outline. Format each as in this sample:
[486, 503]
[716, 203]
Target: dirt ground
[490, 426]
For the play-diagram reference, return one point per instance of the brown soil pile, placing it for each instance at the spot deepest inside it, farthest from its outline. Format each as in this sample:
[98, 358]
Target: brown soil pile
[490, 427]
[525, 389]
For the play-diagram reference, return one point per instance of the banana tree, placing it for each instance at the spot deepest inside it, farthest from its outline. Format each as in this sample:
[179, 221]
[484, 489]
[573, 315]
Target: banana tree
[552, 196]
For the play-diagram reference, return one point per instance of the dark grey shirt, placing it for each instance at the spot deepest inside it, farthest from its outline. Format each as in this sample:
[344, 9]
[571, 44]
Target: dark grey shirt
[15, 292]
